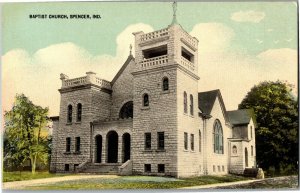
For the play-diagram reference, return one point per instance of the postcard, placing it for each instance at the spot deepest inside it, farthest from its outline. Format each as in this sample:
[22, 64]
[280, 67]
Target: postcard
[150, 95]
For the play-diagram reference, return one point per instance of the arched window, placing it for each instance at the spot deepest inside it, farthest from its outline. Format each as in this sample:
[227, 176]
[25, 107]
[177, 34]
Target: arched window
[218, 137]
[185, 102]
[146, 100]
[191, 105]
[126, 110]
[69, 113]
[165, 84]
[234, 150]
[79, 112]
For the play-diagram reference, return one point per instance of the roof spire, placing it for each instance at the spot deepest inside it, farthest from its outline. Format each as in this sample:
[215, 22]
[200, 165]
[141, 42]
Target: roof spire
[174, 21]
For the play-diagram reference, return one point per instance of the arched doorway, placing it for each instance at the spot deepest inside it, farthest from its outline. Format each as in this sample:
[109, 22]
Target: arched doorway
[98, 141]
[112, 147]
[246, 157]
[126, 147]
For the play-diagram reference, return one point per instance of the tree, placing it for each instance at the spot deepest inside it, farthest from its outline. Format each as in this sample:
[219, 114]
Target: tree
[276, 111]
[23, 133]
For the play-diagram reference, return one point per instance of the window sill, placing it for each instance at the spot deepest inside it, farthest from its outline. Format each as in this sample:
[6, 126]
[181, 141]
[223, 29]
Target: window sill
[77, 152]
[160, 150]
[69, 123]
[165, 92]
[192, 116]
[67, 153]
[78, 122]
[186, 150]
[234, 156]
[145, 108]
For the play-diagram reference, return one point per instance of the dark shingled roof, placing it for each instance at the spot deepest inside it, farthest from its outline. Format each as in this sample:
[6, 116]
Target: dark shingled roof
[240, 117]
[207, 100]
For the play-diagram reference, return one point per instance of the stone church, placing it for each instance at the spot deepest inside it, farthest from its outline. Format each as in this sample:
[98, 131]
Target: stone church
[151, 119]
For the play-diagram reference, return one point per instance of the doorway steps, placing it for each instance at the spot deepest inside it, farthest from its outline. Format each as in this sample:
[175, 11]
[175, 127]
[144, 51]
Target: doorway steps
[102, 168]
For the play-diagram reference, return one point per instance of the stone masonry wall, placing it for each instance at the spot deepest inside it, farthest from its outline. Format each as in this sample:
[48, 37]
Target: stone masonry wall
[91, 99]
[160, 116]
[190, 161]
[122, 90]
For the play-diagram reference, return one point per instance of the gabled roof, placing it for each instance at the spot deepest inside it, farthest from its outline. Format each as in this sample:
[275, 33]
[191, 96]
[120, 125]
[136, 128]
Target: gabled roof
[207, 100]
[130, 57]
[241, 117]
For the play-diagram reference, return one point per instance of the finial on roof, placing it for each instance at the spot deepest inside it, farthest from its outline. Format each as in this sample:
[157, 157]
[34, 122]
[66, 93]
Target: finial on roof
[130, 47]
[174, 13]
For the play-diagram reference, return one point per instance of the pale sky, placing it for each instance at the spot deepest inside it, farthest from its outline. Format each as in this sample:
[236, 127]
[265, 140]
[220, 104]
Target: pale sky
[240, 44]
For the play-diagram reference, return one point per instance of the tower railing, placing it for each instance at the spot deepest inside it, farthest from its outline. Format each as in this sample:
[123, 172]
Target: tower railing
[155, 61]
[86, 80]
[186, 63]
[155, 34]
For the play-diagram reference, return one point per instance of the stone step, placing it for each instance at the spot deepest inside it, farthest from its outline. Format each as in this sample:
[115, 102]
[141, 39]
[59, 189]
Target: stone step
[102, 168]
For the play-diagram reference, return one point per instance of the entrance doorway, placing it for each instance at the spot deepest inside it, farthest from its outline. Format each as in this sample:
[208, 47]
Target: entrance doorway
[98, 140]
[112, 147]
[126, 147]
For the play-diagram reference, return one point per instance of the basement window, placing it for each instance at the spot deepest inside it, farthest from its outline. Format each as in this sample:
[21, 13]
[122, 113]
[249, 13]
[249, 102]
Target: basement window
[155, 52]
[187, 55]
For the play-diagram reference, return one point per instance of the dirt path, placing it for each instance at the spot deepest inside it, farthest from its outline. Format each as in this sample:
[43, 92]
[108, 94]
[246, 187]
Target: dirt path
[21, 184]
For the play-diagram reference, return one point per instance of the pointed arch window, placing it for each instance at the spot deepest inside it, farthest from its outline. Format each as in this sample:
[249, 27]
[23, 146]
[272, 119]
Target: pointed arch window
[191, 105]
[79, 112]
[146, 100]
[165, 84]
[218, 137]
[70, 113]
[185, 102]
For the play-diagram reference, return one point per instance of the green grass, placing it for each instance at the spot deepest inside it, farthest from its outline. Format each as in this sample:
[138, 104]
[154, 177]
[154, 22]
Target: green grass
[136, 182]
[26, 175]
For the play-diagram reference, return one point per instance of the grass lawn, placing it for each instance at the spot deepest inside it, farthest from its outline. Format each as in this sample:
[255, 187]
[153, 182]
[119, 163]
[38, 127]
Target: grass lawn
[26, 175]
[136, 182]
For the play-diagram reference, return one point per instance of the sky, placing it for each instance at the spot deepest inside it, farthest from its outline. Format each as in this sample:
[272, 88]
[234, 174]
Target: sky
[240, 44]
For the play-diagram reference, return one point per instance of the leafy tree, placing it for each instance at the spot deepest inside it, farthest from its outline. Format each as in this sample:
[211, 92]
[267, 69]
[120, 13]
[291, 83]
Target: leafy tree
[23, 133]
[276, 111]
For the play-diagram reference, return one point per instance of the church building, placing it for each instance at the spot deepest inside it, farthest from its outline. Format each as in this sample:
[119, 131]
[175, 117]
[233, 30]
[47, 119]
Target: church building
[151, 119]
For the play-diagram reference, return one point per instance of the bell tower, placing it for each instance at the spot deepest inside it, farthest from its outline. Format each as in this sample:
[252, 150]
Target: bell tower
[166, 68]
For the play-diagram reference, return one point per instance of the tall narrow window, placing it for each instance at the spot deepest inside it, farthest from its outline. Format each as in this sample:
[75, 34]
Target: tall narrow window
[160, 140]
[185, 141]
[69, 113]
[165, 84]
[146, 100]
[147, 140]
[218, 137]
[79, 112]
[251, 130]
[185, 102]
[77, 144]
[192, 142]
[191, 105]
[199, 141]
[251, 150]
[68, 144]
